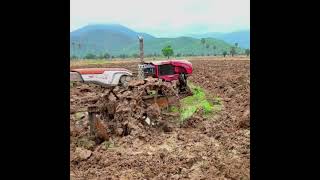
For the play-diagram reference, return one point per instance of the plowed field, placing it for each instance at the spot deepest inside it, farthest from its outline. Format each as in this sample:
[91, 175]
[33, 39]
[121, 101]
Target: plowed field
[201, 148]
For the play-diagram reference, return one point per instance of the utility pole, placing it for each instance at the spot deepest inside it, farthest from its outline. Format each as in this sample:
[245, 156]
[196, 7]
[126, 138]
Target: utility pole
[141, 66]
[141, 49]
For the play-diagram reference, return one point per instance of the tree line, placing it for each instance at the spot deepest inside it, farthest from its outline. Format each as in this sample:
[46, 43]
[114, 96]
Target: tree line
[167, 51]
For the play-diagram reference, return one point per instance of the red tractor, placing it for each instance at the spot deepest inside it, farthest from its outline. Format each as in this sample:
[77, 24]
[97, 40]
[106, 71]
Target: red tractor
[166, 70]
[169, 70]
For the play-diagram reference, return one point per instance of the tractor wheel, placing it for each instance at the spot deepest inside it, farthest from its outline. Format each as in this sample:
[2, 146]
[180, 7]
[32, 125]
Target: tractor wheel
[124, 80]
[183, 81]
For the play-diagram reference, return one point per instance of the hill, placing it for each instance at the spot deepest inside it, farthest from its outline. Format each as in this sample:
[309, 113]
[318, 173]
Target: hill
[116, 39]
[240, 37]
[182, 45]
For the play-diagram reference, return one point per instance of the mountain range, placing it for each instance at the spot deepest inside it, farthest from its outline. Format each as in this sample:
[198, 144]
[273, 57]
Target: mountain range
[240, 37]
[116, 39]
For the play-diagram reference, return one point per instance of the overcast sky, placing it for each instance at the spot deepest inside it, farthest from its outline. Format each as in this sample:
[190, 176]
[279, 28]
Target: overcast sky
[164, 18]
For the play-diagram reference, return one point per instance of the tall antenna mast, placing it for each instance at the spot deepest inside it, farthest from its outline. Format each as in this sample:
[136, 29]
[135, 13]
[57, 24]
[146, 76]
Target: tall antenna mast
[141, 49]
[141, 65]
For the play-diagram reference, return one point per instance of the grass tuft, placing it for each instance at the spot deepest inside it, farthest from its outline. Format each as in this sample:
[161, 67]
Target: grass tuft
[197, 102]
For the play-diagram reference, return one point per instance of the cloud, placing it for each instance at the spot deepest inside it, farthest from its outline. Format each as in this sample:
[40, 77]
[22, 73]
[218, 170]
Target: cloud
[165, 17]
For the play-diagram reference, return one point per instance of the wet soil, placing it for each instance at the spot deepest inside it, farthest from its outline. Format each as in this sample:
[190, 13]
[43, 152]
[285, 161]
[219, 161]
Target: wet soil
[201, 148]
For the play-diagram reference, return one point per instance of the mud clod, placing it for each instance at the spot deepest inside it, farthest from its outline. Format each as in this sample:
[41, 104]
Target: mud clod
[205, 148]
[82, 154]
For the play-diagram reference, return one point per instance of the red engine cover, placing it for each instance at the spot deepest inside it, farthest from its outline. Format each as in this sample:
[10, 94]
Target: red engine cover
[180, 66]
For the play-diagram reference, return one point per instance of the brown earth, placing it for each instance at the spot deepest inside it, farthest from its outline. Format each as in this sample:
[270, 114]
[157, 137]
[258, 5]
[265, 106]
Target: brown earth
[216, 148]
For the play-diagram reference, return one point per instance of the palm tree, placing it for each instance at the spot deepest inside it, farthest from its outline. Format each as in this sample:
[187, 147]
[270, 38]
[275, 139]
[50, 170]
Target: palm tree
[203, 41]
[214, 48]
[235, 48]
[247, 52]
[233, 51]
[207, 46]
[72, 47]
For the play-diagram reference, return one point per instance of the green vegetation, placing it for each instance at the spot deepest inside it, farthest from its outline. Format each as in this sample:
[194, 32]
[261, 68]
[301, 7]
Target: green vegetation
[79, 115]
[191, 104]
[174, 109]
[224, 53]
[247, 52]
[106, 56]
[116, 39]
[85, 142]
[123, 56]
[167, 51]
[233, 51]
[197, 102]
[214, 49]
[90, 56]
[203, 40]
[184, 45]
[135, 55]
[242, 38]
[107, 144]
[73, 57]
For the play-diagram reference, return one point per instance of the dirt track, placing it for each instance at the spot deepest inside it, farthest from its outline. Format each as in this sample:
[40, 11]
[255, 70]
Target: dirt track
[205, 149]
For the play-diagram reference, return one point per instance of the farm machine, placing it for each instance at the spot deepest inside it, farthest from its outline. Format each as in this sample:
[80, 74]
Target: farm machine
[168, 71]
[158, 85]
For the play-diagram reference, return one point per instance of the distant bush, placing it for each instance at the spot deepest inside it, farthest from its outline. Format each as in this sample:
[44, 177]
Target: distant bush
[74, 57]
[224, 53]
[203, 41]
[148, 55]
[233, 51]
[123, 56]
[90, 56]
[106, 55]
[247, 52]
[135, 55]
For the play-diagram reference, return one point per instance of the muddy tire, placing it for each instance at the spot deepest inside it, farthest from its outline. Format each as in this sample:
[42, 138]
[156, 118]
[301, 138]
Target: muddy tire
[183, 82]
